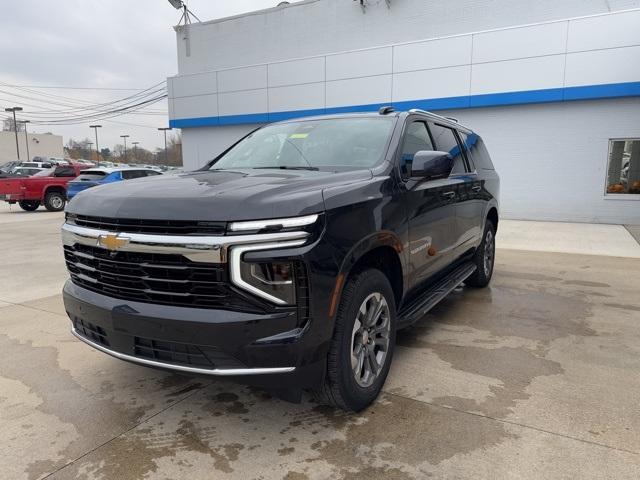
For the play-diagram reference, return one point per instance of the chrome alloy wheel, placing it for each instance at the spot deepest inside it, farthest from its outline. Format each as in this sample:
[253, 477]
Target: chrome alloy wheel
[57, 202]
[489, 252]
[370, 339]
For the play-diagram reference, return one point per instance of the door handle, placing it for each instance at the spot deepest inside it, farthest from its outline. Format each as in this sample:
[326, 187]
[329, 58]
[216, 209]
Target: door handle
[476, 188]
[449, 194]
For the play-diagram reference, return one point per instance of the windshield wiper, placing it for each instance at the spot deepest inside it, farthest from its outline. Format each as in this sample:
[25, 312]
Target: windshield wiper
[285, 167]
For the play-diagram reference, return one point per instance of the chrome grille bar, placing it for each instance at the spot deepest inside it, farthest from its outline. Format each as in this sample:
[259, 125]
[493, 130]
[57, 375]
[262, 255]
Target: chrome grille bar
[208, 249]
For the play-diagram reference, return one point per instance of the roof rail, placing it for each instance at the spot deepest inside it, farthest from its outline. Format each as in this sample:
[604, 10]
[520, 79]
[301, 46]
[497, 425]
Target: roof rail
[419, 110]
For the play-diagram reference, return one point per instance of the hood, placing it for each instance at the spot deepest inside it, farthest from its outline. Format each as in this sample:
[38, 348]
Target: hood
[223, 195]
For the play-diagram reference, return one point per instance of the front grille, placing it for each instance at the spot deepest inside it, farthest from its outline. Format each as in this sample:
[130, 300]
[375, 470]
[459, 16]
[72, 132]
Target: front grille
[160, 227]
[167, 279]
[183, 354]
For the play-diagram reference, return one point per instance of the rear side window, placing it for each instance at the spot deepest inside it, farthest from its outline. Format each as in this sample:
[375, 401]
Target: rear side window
[131, 174]
[446, 141]
[416, 138]
[64, 172]
[469, 142]
[151, 173]
[88, 176]
[476, 151]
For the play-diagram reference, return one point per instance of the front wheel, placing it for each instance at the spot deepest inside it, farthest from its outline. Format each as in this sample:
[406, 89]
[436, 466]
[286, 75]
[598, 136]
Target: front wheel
[484, 258]
[29, 205]
[363, 342]
[54, 201]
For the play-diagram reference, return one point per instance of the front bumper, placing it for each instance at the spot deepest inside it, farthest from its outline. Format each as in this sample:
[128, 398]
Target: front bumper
[262, 349]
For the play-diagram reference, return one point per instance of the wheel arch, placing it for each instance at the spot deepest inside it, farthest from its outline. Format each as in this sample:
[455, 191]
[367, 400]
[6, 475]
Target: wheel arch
[382, 250]
[54, 188]
[492, 215]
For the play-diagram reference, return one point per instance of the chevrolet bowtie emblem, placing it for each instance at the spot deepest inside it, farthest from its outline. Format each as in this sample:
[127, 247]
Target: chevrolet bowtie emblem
[112, 242]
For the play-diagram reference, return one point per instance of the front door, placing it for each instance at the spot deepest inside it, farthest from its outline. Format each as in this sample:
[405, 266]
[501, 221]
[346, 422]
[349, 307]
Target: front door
[468, 188]
[430, 207]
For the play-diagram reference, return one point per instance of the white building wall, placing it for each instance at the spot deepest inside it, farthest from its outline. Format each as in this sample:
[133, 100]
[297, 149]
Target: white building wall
[553, 61]
[44, 145]
[300, 60]
[316, 27]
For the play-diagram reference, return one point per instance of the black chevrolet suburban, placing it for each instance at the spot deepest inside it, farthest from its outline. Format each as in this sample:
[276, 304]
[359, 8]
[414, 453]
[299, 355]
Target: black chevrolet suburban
[292, 258]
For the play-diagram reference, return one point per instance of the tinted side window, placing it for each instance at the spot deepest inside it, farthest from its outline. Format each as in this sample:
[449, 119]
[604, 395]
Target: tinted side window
[130, 174]
[446, 142]
[151, 173]
[64, 172]
[416, 138]
[470, 143]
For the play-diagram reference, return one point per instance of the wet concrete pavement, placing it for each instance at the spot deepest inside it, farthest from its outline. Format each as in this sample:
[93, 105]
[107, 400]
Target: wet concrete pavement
[534, 377]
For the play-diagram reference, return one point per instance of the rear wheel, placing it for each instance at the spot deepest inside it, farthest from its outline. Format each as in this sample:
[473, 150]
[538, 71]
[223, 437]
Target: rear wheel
[484, 258]
[363, 342]
[54, 201]
[29, 205]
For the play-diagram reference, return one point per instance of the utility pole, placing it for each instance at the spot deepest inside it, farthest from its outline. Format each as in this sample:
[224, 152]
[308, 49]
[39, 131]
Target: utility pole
[135, 150]
[166, 152]
[96, 127]
[26, 140]
[125, 147]
[90, 149]
[15, 125]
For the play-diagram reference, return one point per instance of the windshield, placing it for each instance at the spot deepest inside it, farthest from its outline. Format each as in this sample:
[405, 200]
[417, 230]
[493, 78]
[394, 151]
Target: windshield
[312, 144]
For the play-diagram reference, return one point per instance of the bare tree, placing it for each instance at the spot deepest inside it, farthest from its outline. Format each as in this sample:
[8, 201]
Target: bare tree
[79, 149]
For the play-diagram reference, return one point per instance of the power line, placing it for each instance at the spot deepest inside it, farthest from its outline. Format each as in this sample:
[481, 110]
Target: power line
[80, 106]
[66, 87]
[79, 111]
[68, 101]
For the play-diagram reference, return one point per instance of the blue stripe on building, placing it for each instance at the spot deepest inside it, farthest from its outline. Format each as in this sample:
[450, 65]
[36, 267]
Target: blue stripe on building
[587, 92]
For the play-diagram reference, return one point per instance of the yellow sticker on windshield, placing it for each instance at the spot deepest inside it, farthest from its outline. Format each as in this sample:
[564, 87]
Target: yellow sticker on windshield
[299, 135]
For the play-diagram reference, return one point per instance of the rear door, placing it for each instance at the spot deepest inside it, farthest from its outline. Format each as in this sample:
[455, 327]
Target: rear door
[430, 207]
[472, 197]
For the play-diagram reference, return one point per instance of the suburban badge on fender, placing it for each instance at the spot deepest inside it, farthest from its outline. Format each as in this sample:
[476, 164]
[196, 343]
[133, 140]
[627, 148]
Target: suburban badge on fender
[113, 242]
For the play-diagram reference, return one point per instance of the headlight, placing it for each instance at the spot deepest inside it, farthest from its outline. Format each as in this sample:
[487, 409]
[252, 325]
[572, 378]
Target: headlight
[273, 281]
[273, 224]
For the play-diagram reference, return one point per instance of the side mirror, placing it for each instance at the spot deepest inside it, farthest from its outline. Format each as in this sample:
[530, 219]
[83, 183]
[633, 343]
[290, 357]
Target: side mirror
[430, 164]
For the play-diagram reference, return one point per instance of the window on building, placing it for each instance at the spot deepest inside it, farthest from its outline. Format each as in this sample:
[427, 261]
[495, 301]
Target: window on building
[623, 172]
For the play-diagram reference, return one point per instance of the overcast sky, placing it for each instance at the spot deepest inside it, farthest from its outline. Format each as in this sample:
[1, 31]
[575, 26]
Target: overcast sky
[97, 43]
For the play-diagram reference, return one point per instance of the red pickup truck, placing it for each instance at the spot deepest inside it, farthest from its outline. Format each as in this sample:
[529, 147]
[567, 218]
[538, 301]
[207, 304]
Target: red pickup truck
[47, 187]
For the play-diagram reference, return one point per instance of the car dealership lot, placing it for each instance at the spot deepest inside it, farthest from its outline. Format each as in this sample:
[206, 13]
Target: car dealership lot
[534, 377]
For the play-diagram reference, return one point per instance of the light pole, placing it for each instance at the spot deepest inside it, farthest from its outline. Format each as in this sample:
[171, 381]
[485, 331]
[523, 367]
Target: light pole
[125, 147]
[26, 140]
[15, 125]
[96, 127]
[90, 149]
[135, 150]
[166, 152]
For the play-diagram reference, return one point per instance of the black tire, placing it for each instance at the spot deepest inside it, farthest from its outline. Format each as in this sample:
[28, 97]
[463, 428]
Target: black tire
[343, 387]
[29, 205]
[54, 201]
[484, 266]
